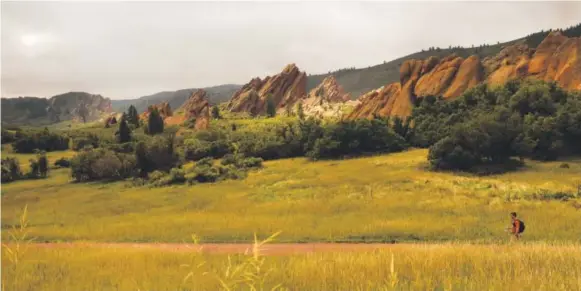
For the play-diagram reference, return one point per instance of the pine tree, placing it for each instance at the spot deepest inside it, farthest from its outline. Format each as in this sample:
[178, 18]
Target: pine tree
[154, 123]
[289, 110]
[216, 112]
[124, 132]
[300, 111]
[133, 116]
[270, 107]
[42, 164]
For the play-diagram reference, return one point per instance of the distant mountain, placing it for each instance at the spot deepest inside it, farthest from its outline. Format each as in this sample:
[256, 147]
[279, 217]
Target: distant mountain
[80, 106]
[215, 95]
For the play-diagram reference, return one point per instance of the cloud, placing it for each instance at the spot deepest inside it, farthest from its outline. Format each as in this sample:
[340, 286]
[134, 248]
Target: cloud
[130, 49]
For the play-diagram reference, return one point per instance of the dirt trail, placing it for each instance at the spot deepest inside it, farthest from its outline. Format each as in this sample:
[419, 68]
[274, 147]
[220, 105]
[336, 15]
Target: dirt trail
[268, 249]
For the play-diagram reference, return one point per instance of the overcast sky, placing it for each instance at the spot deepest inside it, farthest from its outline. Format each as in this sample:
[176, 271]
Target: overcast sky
[129, 49]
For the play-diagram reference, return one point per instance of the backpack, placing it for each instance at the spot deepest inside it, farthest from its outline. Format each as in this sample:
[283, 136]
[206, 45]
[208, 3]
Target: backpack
[521, 228]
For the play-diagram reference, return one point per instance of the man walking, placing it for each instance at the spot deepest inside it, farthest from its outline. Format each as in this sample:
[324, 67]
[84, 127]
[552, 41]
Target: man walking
[518, 226]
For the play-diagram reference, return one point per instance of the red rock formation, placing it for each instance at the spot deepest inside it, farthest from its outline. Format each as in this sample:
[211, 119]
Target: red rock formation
[195, 105]
[328, 99]
[557, 58]
[510, 63]
[330, 91]
[285, 88]
[163, 109]
[448, 77]
[203, 119]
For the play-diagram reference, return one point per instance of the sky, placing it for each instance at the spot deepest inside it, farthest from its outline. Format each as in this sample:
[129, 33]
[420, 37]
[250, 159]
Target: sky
[124, 50]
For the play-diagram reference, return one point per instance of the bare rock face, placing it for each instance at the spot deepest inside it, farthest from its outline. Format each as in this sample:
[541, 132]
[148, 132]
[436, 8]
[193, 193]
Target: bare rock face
[510, 63]
[285, 88]
[78, 106]
[330, 91]
[328, 99]
[447, 77]
[557, 58]
[196, 105]
[203, 119]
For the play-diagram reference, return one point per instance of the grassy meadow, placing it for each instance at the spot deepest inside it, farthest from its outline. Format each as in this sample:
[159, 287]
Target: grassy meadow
[534, 266]
[382, 198]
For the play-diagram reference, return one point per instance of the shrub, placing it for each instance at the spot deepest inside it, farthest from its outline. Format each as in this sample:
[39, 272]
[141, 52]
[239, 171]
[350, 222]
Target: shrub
[228, 159]
[34, 169]
[195, 149]
[102, 164]
[203, 174]
[205, 162]
[89, 141]
[190, 123]
[126, 148]
[546, 195]
[564, 166]
[231, 172]
[250, 162]
[10, 170]
[156, 154]
[7, 136]
[159, 178]
[356, 137]
[239, 161]
[62, 163]
[45, 141]
[487, 126]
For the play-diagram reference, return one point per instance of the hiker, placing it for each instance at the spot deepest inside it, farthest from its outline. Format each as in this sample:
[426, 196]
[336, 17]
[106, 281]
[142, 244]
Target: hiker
[518, 226]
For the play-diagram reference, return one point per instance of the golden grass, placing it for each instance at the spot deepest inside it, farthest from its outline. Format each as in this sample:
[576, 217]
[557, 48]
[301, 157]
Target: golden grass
[535, 266]
[380, 198]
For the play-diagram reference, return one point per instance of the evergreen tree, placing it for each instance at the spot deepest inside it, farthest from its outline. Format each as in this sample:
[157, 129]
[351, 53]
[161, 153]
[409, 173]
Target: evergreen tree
[289, 110]
[133, 116]
[143, 163]
[124, 132]
[42, 164]
[216, 112]
[300, 111]
[154, 122]
[270, 107]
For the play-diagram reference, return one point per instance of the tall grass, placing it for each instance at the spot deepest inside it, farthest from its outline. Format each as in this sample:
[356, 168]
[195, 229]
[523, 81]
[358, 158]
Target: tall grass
[373, 199]
[536, 266]
[450, 266]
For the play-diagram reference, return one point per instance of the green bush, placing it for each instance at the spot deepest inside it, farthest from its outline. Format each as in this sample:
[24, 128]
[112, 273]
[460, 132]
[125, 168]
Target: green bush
[62, 163]
[203, 174]
[10, 170]
[7, 136]
[159, 178]
[44, 141]
[156, 154]
[82, 142]
[101, 164]
[195, 149]
[357, 137]
[126, 148]
[486, 127]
